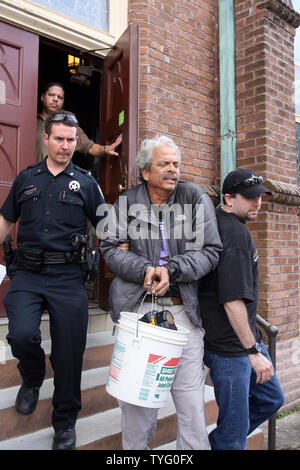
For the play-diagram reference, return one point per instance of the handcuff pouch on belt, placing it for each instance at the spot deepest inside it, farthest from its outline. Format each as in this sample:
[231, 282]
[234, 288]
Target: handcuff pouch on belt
[87, 258]
[9, 254]
[25, 257]
[29, 258]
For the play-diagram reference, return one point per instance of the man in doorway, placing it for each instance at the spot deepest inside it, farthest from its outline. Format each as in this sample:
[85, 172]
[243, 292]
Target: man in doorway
[246, 386]
[51, 200]
[52, 99]
[158, 255]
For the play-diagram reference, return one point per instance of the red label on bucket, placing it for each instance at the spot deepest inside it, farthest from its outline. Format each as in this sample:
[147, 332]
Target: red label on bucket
[172, 362]
[154, 359]
[114, 372]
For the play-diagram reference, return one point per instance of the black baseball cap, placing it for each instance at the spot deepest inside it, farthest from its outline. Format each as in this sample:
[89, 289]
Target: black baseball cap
[244, 182]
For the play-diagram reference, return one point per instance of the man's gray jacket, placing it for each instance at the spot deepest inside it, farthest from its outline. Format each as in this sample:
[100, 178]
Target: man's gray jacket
[192, 238]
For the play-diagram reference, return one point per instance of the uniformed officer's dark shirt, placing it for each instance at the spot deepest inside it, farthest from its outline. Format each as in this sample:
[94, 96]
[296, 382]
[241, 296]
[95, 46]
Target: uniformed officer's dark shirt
[52, 208]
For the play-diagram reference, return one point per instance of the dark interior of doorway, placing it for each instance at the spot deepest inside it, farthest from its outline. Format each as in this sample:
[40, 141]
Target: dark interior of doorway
[82, 100]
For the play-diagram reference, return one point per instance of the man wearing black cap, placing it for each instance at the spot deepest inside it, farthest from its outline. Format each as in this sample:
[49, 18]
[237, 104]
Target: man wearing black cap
[246, 387]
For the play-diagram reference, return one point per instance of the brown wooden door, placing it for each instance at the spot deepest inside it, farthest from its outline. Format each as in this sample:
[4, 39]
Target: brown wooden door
[18, 105]
[119, 113]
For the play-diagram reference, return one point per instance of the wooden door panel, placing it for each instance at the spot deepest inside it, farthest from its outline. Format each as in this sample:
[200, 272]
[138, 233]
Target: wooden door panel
[9, 137]
[119, 113]
[115, 170]
[10, 70]
[18, 105]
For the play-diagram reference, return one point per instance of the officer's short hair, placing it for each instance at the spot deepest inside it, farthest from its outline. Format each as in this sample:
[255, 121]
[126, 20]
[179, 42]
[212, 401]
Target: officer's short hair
[64, 117]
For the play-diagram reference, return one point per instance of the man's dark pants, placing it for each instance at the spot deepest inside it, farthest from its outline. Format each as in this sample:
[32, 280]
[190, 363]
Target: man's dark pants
[60, 290]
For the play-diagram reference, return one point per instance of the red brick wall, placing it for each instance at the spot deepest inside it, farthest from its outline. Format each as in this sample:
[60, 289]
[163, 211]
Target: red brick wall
[276, 239]
[266, 138]
[178, 78]
[266, 143]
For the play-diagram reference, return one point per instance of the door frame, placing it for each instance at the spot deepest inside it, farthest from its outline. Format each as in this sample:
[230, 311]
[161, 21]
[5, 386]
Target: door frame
[47, 23]
[121, 61]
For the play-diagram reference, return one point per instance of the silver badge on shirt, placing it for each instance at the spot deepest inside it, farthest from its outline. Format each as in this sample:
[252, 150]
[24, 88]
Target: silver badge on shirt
[74, 185]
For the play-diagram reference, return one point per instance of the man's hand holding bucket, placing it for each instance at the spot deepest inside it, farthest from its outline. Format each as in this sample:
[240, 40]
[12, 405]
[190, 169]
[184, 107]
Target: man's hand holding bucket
[156, 280]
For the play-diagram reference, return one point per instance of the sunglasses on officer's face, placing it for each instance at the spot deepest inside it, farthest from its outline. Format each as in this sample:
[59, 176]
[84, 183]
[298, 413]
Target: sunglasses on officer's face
[64, 117]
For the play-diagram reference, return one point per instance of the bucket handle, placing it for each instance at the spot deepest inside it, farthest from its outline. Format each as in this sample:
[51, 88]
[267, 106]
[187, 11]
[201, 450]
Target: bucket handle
[154, 303]
[153, 307]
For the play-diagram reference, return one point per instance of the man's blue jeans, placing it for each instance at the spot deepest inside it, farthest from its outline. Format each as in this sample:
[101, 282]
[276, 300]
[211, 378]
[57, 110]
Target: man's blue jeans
[243, 404]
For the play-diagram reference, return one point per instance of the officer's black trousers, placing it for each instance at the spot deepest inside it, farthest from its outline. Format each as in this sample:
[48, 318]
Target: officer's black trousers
[60, 290]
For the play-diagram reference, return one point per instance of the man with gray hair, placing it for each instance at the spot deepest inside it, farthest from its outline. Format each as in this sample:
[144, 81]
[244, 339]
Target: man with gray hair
[167, 262]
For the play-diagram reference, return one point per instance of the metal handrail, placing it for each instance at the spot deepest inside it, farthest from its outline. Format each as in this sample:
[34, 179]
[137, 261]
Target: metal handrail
[271, 331]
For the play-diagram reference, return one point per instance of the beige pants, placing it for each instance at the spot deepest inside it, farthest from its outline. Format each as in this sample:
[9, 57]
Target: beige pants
[139, 423]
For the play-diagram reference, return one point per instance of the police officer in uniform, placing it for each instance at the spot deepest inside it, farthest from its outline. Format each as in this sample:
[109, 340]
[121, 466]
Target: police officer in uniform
[51, 200]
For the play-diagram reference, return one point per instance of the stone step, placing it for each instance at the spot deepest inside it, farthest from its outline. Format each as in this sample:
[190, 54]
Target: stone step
[97, 354]
[99, 427]
[254, 442]
[99, 320]
[94, 400]
[166, 429]
[100, 431]
[98, 424]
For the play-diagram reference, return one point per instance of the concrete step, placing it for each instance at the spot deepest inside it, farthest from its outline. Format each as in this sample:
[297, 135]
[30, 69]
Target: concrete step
[99, 320]
[94, 400]
[103, 428]
[166, 426]
[97, 354]
[254, 441]
[99, 422]
[100, 431]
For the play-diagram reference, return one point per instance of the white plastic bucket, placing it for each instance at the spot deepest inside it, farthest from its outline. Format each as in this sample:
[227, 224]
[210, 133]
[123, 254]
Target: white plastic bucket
[144, 361]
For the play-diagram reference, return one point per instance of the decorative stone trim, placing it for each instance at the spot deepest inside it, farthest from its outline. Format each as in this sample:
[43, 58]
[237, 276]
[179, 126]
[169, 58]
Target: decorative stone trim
[283, 193]
[213, 192]
[283, 9]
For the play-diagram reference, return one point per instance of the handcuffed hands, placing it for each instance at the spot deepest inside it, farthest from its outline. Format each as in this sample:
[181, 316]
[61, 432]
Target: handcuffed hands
[156, 280]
